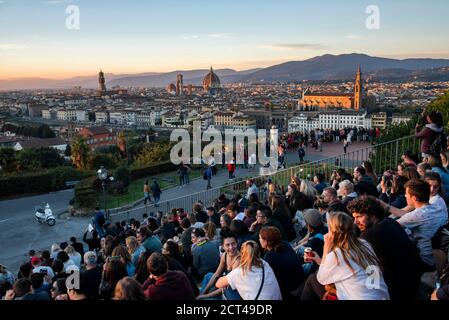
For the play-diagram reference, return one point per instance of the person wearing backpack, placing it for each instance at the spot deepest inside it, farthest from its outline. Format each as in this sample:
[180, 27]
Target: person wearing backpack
[431, 134]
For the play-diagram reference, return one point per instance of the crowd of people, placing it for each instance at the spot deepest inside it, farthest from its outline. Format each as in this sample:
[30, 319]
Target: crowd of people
[357, 236]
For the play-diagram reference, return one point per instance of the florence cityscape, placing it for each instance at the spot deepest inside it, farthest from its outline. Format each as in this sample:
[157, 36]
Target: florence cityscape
[102, 199]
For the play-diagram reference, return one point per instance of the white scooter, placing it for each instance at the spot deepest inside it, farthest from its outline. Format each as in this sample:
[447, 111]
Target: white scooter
[45, 214]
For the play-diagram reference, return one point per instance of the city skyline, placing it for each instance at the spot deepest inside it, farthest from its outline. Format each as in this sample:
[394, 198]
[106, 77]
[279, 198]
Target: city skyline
[135, 37]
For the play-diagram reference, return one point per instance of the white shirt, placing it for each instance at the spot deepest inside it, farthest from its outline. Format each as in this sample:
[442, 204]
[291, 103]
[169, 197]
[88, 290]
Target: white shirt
[248, 284]
[240, 216]
[349, 285]
[76, 258]
[252, 189]
[44, 270]
[423, 223]
[198, 225]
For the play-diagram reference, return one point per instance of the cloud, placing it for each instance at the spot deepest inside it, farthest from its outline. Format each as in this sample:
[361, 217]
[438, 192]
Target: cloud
[12, 46]
[219, 35]
[354, 37]
[295, 46]
[190, 37]
[57, 1]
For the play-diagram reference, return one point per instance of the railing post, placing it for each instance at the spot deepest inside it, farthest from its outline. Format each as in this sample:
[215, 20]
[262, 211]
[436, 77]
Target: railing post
[397, 150]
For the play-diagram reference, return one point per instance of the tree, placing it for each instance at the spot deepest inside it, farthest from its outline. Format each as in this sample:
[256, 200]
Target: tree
[45, 132]
[122, 174]
[80, 152]
[442, 105]
[121, 143]
[28, 159]
[99, 159]
[49, 158]
[8, 160]
[153, 152]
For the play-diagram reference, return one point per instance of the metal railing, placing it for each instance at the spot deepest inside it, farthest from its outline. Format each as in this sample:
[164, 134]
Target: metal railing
[382, 156]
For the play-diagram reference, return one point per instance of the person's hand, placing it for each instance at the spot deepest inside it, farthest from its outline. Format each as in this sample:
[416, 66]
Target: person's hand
[312, 256]
[328, 239]
[383, 185]
[434, 296]
[10, 295]
[62, 297]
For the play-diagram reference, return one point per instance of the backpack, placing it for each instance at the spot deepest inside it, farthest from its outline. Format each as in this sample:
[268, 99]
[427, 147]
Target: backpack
[439, 144]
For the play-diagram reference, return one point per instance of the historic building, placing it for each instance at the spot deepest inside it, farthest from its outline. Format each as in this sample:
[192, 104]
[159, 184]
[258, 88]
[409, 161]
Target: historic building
[211, 83]
[357, 100]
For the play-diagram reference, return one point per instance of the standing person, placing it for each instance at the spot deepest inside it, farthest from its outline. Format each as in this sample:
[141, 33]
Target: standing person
[320, 144]
[254, 279]
[156, 191]
[212, 164]
[187, 174]
[181, 174]
[301, 153]
[345, 145]
[208, 177]
[431, 131]
[231, 169]
[99, 221]
[146, 193]
[252, 161]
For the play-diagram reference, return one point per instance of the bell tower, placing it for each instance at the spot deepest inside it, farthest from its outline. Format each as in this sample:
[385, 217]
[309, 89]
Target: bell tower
[358, 90]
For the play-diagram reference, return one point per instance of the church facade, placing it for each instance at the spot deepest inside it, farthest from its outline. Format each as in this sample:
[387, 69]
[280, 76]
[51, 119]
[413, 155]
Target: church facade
[321, 101]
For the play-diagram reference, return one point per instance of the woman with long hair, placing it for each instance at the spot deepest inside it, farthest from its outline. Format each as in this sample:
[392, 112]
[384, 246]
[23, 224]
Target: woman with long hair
[73, 255]
[135, 249]
[282, 214]
[308, 189]
[370, 170]
[444, 156]
[125, 258]
[253, 279]
[113, 270]
[349, 262]
[128, 289]
[285, 263]
[142, 274]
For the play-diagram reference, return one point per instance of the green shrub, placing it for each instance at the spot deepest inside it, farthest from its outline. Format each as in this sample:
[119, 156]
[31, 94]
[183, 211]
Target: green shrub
[122, 174]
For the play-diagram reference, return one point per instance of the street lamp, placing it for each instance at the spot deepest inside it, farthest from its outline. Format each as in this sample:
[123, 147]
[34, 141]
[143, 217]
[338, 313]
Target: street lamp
[103, 175]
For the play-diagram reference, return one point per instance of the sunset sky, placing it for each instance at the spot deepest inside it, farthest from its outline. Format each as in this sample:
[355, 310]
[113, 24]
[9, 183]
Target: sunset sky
[158, 35]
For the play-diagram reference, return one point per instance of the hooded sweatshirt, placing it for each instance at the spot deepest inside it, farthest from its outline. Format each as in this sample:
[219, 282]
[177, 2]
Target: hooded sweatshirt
[428, 136]
[173, 285]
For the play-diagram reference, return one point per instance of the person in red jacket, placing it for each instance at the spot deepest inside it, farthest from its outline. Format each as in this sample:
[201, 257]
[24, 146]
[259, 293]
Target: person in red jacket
[166, 285]
[231, 169]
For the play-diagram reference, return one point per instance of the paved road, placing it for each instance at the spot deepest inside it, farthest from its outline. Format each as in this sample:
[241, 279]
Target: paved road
[19, 232]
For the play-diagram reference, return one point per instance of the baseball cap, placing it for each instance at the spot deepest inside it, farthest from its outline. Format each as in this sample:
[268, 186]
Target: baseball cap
[313, 217]
[35, 260]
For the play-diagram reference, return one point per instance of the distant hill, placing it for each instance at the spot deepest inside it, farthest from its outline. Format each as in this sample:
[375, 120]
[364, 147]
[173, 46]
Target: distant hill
[335, 67]
[326, 67]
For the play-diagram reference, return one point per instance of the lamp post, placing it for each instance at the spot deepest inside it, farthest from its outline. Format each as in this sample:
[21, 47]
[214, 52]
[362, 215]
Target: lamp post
[103, 175]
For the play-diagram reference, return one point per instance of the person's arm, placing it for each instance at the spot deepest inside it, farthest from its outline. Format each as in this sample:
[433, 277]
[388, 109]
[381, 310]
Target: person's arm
[222, 282]
[420, 134]
[216, 274]
[394, 211]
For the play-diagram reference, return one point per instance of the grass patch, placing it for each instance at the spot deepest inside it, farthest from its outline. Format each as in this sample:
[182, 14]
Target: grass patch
[135, 189]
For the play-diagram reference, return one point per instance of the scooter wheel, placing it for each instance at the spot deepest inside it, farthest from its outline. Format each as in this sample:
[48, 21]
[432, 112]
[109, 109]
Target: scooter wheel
[51, 222]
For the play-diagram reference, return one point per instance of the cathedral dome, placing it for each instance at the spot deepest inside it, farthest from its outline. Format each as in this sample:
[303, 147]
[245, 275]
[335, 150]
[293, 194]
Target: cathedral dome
[211, 80]
[171, 88]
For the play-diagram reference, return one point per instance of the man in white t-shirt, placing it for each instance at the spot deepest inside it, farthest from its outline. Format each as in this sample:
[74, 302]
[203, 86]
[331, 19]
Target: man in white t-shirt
[424, 221]
[38, 268]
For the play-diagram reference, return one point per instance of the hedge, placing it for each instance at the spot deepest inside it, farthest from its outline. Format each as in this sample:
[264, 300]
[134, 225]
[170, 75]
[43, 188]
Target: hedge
[39, 182]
